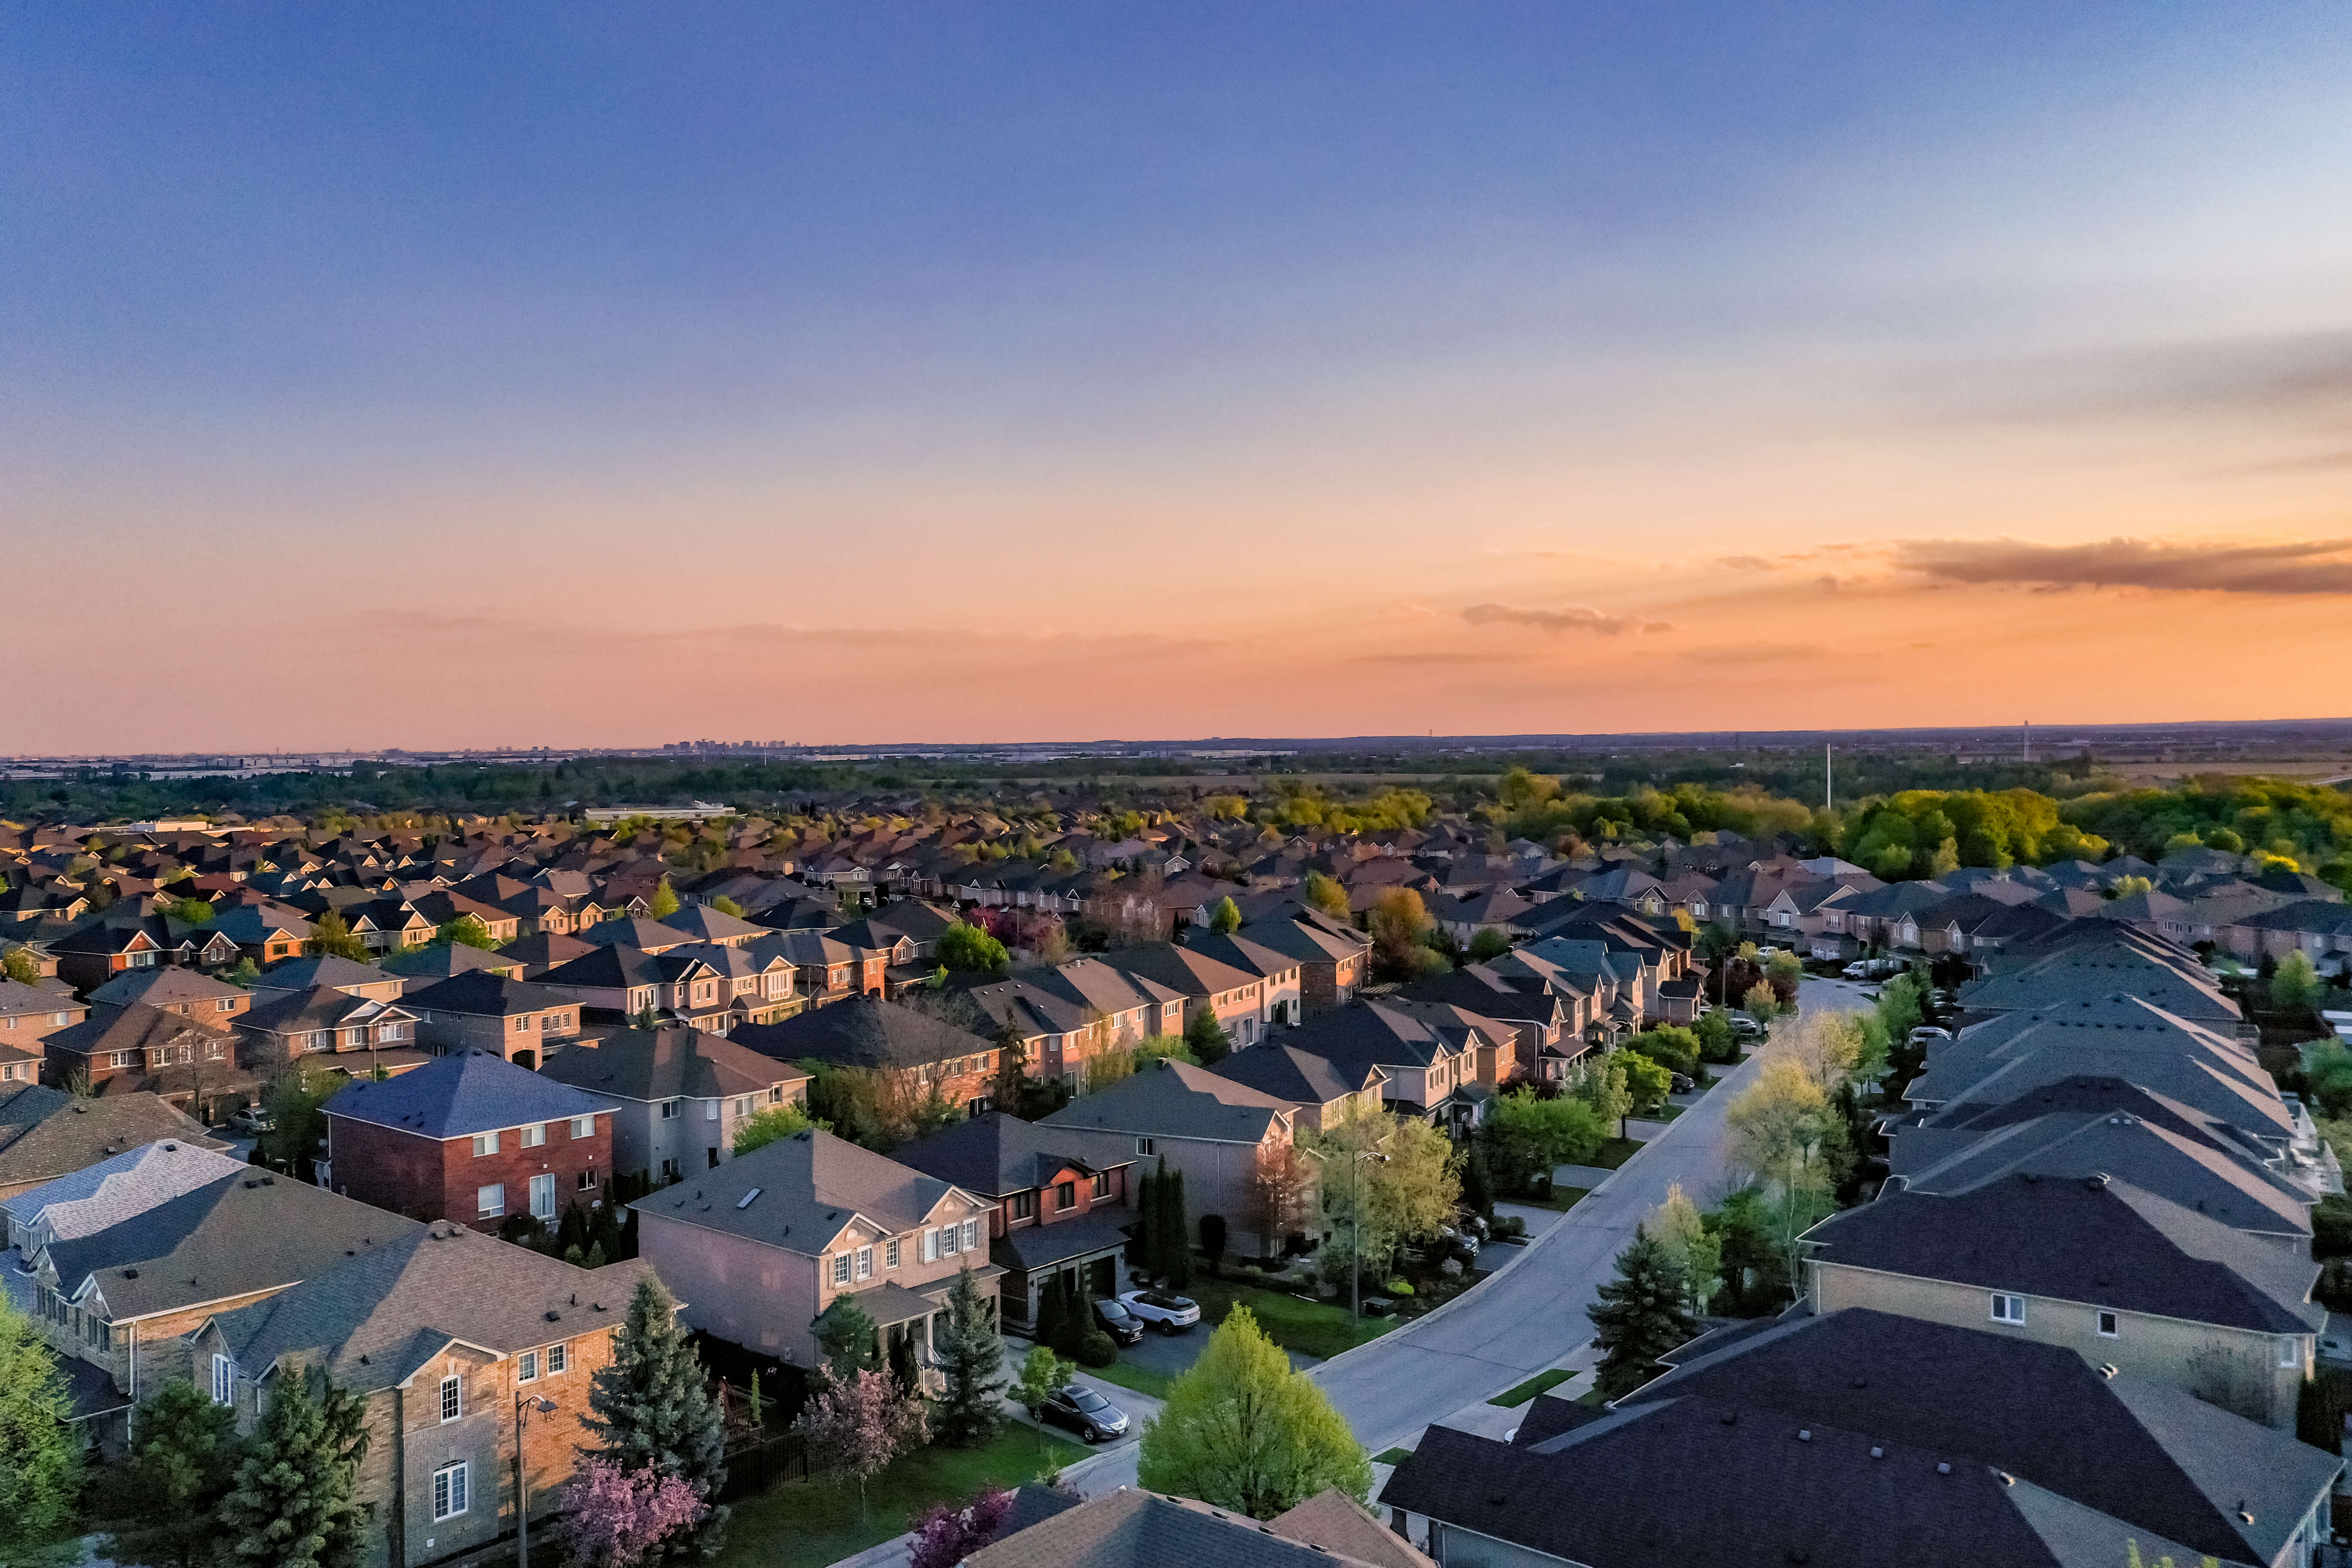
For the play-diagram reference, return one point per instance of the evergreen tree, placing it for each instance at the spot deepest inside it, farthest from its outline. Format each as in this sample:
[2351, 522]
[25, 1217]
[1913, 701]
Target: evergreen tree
[1641, 1314]
[292, 1505]
[903, 1371]
[1174, 1231]
[1073, 1331]
[653, 1405]
[182, 1464]
[1049, 1325]
[848, 1338]
[1242, 1431]
[2318, 1420]
[40, 1461]
[1206, 1038]
[972, 1355]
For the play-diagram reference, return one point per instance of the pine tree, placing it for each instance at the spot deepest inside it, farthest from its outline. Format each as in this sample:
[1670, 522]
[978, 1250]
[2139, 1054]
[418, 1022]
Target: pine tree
[903, 1373]
[1175, 1232]
[972, 1355]
[848, 1338]
[653, 1405]
[292, 1505]
[1049, 1327]
[1073, 1331]
[1642, 1315]
[182, 1464]
[40, 1461]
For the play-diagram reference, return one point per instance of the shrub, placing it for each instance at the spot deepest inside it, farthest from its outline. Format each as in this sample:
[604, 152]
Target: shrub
[2331, 1227]
[1398, 1287]
[1508, 1225]
[1096, 1350]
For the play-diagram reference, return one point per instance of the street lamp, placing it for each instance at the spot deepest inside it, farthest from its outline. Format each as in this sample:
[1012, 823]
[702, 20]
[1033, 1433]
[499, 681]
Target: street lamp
[1356, 1220]
[542, 1407]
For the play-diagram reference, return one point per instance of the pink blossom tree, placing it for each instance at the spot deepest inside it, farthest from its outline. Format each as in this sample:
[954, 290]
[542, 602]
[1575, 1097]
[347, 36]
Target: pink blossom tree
[945, 1535]
[618, 1518]
[857, 1425]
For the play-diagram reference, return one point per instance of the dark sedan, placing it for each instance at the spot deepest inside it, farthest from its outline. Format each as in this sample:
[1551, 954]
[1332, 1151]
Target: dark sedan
[1084, 1412]
[1119, 1323]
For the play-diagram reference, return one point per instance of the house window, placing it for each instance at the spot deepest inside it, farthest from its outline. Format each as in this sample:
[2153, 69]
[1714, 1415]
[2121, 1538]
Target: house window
[225, 1005]
[711, 1110]
[453, 1399]
[1143, 1146]
[491, 1200]
[1066, 1195]
[224, 1380]
[485, 1143]
[2007, 1308]
[557, 1360]
[670, 1110]
[2108, 1327]
[930, 1246]
[449, 1491]
[1101, 1186]
[584, 1127]
[521, 1025]
[120, 1058]
[588, 1179]
[550, 1022]
[670, 1170]
[948, 1235]
[841, 1268]
[214, 1050]
[543, 1196]
[2290, 1352]
[744, 1105]
[890, 1253]
[1024, 1206]
[527, 1367]
[534, 1135]
[775, 1094]
[865, 1263]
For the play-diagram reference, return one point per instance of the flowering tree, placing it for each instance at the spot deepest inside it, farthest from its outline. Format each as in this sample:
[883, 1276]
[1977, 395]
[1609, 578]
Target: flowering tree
[945, 1535]
[618, 1518]
[858, 1425]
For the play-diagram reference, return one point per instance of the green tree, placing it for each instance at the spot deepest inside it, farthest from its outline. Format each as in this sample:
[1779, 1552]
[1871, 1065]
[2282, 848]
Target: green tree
[971, 1356]
[847, 1337]
[1052, 1327]
[1647, 1082]
[2296, 984]
[1242, 1431]
[1041, 1373]
[16, 964]
[1601, 1084]
[1761, 1002]
[769, 1125]
[1677, 1227]
[293, 1102]
[331, 934]
[1400, 925]
[293, 1504]
[727, 906]
[968, 949]
[1528, 1136]
[652, 1405]
[1716, 1042]
[1172, 1229]
[664, 903]
[1487, 944]
[199, 912]
[1642, 1313]
[1206, 1038]
[40, 1458]
[1226, 918]
[183, 1462]
[1324, 893]
[465, 930]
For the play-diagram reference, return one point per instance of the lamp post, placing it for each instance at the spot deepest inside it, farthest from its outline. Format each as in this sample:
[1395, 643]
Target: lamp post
[522, 1495]
[1356, 1225]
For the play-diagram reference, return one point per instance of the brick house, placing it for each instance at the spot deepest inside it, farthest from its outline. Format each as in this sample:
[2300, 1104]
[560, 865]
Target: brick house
[181, 991]
[1056, 1215]
[116, 1049]
[439, 1402]
[31, 1014]
[677, 1095]
[483, 1011]
[1332, 955]
[470, 1136]
[290, 1025]
[623, 982]
[1236, 996]
[97, 953]
[46, 1132]
[929, 1055]
[827, 969]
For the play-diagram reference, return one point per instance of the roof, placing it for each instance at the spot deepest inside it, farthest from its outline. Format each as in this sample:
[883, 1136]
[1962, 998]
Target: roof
[666, 1063]
[1177, 1099]
[2103, 1242]
[1130, 1528]
[862, 1031]
[700, 922]
[995, 1154]
[480, 991]
[163, 987]
[1339, 1523]
[800, 1193]
[134, 1028]
[375, 1320]
[46, 1132]
[457, 1096]
[644, 935]
[1093, 1233]
[1301, 1076]
[325, 969]
[99, 1195]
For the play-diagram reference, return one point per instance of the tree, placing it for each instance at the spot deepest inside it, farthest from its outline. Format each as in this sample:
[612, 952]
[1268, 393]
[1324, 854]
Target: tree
[1646, 1082]
[1281, 1194]
[1226, 918]
[1406, 1188]
[2318, 1419]
[664, 903]
[1641, 1314]
[971, 1354]
[1052, 1328]
[1761, 1002]
[2296, 984]
[1242, 1431]
[183, 1462]
[652, 1405]
[1784, 1130]
[292, 1506]
[848, 1338]
[40, 1458]
[199, 912]
[1041, 1374]
[1677, 1227]
[1206, 1038]
[1486, 944]
[1716, 1042]
[769, 1125]
[1601, 1084]
[727, 906]
[945, 1534]
[614, 1518]
[465, 930]
[1399, 925]
[16, 964]
[331, 934]
[1529, 1135]
[1171, 1255]
[856, 1426]
[968, 949]
[1322, 892]
[297, 1123]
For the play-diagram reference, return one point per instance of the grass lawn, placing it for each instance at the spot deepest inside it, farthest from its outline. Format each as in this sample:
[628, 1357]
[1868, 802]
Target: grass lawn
[1392, 1456]
[1667, 1113]
[807, 1524]
[1590, 1396]
[1311, 1328]
[1562, 1198]
[1616, 1152]
[1142, 1379]
[1543, 1381]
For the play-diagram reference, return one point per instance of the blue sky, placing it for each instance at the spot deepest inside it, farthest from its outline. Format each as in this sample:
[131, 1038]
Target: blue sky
[1016, 318]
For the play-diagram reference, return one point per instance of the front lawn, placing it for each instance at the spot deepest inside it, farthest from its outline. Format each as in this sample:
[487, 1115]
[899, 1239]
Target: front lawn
[1142, 1379]
[1615, 1151]
[1561, 1199]
[808, 1524]
[1319, 1329]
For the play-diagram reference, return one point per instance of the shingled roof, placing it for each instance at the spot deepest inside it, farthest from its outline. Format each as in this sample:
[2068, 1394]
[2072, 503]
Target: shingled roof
[455, 1096]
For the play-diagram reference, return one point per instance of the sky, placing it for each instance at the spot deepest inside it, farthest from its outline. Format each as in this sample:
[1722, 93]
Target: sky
[597, 374]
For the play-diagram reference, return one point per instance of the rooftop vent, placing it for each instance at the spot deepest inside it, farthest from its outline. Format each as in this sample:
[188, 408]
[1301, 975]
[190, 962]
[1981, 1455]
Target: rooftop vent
[2006, 1479]
[1876, 1452]
[131, 1274]
[745, 1201]
[554, 1316]
[1943, 1467]
[2096, 1183]
[1804, 1434]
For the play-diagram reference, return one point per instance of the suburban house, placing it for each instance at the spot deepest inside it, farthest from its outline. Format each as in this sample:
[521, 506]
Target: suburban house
[717, 927]
[1131, 1528]
[677, 1095]
[1332, 956]
[46, 1133]
[455, 1345]
[1323, 1092]
[751, 988]
[621, 982]
[92, 955]
[2111, 1272]
[827, 969]
[1431, 1054]
[481, 1011]
[469, 1137]
[1237, 996]
[335, 974]
[1067, 1015]
[1057, 1215]
[1281, 997]
[288, 1025]
[1219, 1133]
[760, 1247]
[182, 991]
[116, 1049]
[82, 1201]
[31, 1014]
[264, 932]
[927, 1056]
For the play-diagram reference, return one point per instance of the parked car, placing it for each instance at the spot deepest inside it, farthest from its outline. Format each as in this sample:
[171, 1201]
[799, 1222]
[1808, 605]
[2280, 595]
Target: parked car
[1084, 1412]
[1744, 1027]
[1858, 970]
[1682, 1083]
[1170, 1314]
[1927, 1032]
[252, 1120]
[1119, 1322]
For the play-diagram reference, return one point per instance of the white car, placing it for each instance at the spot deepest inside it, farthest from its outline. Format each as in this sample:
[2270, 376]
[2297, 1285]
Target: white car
[1169, 1314]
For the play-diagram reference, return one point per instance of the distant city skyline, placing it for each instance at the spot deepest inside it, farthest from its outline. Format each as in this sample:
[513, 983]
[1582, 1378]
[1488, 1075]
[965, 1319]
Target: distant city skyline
[589, 377]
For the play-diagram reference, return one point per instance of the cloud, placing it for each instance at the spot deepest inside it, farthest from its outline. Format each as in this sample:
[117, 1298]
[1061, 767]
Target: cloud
[2312, 567]
[1746, 563]
[1435, 657]
[1757, 653]
[1575, 618]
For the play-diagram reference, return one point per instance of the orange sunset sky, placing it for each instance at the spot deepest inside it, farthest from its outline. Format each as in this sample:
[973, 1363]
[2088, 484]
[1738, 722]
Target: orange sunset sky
[608, 377]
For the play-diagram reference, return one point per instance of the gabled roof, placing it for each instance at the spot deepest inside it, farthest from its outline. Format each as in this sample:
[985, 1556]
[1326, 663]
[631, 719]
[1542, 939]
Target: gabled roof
[1287, 1072]
[800, 1193]
[323, 969]
[164, 987]
[134, 1028]
[700, 922]
[46, 1132]
[1130, 1528]
[862, 1032]
[667, 1063]
[1177, 1099]
[457, 1096]
[644, 935]
[91, 1199]
[481, 993]
[994, 1154]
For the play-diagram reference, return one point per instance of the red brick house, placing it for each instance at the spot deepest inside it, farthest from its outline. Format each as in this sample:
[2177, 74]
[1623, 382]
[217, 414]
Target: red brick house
[471, 1138]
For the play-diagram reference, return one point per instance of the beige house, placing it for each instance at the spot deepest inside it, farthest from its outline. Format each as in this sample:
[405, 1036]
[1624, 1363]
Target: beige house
[761, 1245]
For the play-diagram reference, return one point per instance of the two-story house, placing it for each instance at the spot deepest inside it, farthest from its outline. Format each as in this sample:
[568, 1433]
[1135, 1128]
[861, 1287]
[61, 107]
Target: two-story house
[930, 1057]
[677, 1095]
[1332, 956]
[46, 1133]
[623, 982]
[520, 1021]
[288, 1025]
